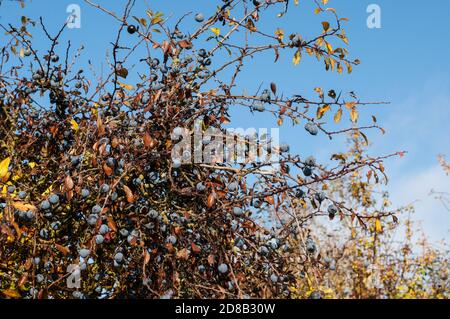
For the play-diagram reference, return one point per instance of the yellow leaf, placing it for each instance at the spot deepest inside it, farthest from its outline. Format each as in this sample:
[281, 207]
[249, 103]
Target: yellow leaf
[74, 124]
[280, 34]
[297, 57]
[337, 116]
[22, 52]
[329, 47]
[4, 165]
[126, 86]
[47, 191]
[32, 164]
[11, 293]
[354, 115]
[322, 110]
[378, 227]
[216, 31]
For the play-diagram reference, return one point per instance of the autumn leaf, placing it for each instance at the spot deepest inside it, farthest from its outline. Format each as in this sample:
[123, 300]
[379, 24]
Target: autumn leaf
[273, 88]
[216, 31]
[354, 115]
[4, 165]
[24, 207]
[196, 249]
[122, 72]
[125, 86]
[146, 257]
[211, 200]
[68, 183]
[297, 57]
[250, 25]
[108, 170]
[350, 105]
[149, 141]
[378, 227]
[74, 125]
[211, 259]
[322, 110]
[62, 249]
[111, 224]
[11, 293]
[337, 116]
[128, 194]
[280, 34]
[185, 44]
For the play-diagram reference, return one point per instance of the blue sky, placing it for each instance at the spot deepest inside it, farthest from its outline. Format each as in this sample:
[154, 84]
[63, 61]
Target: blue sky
[405, 62]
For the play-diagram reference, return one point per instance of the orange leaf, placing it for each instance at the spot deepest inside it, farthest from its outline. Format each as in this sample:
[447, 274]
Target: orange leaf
[108, 170]
[129, 194]
[112, 224]
[211, 200]
[62, 249]
[24, 207]
[11, 293]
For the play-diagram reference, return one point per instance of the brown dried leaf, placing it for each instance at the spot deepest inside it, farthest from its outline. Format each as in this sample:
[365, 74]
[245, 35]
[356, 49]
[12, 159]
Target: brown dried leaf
[68, 183]
[211, 200]
[62, 249]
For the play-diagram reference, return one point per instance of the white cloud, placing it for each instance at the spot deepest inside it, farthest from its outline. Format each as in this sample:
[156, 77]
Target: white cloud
[418, 124]
[415, 187]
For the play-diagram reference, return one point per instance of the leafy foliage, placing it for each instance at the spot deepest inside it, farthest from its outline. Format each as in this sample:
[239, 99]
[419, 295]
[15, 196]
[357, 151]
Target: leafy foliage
[87, 178]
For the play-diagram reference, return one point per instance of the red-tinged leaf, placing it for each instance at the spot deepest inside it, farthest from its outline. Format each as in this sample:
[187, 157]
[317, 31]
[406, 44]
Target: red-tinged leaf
[185, 44]
[149, 141]
[270, 200]
[196, 249]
